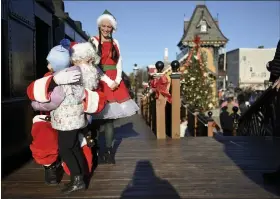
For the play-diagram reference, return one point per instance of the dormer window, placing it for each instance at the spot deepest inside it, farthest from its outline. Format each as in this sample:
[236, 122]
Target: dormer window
[203, 26]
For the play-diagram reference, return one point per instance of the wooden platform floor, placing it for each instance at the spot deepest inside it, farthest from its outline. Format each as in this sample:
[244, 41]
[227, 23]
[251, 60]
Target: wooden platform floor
[219, 167]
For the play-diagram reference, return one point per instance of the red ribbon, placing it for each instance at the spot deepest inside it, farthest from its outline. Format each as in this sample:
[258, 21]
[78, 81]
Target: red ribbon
[187, 63]
[197, 41]
[160, 87]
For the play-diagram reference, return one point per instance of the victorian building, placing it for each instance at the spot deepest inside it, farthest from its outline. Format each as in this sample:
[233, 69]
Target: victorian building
[212, 39]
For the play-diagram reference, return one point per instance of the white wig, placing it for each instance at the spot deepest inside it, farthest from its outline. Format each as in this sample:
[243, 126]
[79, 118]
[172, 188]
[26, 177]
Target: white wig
[85, 51]
[109, 18]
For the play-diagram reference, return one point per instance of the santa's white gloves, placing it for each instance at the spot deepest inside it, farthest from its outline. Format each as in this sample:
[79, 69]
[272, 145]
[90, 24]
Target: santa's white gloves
[67, 77]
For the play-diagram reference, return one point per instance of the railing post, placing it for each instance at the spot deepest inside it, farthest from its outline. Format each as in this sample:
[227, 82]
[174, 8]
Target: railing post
[145, 108]
[176, 100]
[196, 113]
[210, 126]
[135, 70]
[160, 107]
[148, 110]
[144, 104]
[153, 113]
[142, 107]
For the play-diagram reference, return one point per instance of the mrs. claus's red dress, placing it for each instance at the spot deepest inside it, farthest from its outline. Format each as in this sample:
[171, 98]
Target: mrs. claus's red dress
[119, 102]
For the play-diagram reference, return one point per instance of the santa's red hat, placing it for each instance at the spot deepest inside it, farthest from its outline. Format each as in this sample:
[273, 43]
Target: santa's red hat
[73, 43]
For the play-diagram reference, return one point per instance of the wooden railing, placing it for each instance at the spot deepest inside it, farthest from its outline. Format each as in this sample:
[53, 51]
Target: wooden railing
[148, 110]
[199, 124]
[263, 117]
[164, 118]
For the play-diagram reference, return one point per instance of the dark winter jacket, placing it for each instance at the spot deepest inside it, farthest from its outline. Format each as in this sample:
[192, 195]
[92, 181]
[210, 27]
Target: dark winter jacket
[243, 108]
[226, 120]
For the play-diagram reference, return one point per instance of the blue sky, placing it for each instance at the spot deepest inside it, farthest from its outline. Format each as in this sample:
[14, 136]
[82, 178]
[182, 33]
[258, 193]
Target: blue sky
[145, 28]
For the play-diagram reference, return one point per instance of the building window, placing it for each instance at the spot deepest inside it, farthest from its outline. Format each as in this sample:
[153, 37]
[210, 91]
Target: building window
[221, 63]
[263, 74]
[203, 26]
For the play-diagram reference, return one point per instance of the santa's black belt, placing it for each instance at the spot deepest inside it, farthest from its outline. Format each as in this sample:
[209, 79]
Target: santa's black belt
[46, 118]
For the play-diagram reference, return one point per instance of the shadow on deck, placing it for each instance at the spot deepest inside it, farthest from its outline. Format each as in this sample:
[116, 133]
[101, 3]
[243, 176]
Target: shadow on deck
[201, 167]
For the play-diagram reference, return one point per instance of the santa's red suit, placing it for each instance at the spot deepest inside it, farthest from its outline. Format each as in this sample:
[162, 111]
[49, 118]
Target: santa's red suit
[44, 146]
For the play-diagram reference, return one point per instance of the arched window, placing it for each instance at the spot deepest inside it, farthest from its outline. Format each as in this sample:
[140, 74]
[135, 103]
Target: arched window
[203, 26]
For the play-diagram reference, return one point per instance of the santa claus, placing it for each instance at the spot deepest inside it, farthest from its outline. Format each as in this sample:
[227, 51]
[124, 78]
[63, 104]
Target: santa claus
[44, 146]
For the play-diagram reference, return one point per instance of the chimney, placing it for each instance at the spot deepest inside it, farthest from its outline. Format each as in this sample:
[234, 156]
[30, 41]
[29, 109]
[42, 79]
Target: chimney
[166, 55]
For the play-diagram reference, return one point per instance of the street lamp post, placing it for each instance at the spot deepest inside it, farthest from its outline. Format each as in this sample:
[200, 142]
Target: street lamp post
[225, 69]
[135, 71]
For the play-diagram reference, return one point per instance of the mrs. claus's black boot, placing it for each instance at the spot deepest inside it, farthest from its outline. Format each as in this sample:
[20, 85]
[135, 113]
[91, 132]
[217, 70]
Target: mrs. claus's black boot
[77, 183]
[53, 173]
[109, 157]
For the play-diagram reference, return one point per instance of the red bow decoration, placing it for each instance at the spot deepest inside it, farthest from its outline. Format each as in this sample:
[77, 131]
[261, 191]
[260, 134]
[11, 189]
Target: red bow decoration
[197, 41]
[160, 87]
[189, 58]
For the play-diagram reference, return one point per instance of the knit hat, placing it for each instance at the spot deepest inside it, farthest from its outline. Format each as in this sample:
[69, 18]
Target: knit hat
[107, 15]
[59, 58]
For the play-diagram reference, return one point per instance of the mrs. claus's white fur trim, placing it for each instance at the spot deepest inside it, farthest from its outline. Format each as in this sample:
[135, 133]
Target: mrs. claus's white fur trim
[91, 102]
[108, 17]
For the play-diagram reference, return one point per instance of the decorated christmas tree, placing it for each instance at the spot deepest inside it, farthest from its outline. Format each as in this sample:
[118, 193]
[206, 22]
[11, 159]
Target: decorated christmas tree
[197, 82]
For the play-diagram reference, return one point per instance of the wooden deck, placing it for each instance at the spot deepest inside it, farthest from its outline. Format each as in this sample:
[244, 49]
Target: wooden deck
[220, 167]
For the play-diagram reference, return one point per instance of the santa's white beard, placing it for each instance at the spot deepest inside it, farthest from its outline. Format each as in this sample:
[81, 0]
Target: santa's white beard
[90, 77]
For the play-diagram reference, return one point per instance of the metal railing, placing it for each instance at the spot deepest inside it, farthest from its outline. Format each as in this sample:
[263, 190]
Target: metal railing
[263, 117]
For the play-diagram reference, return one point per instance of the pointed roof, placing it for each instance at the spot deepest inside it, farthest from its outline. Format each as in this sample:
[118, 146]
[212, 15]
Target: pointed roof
[186, 25]
[213, 36]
